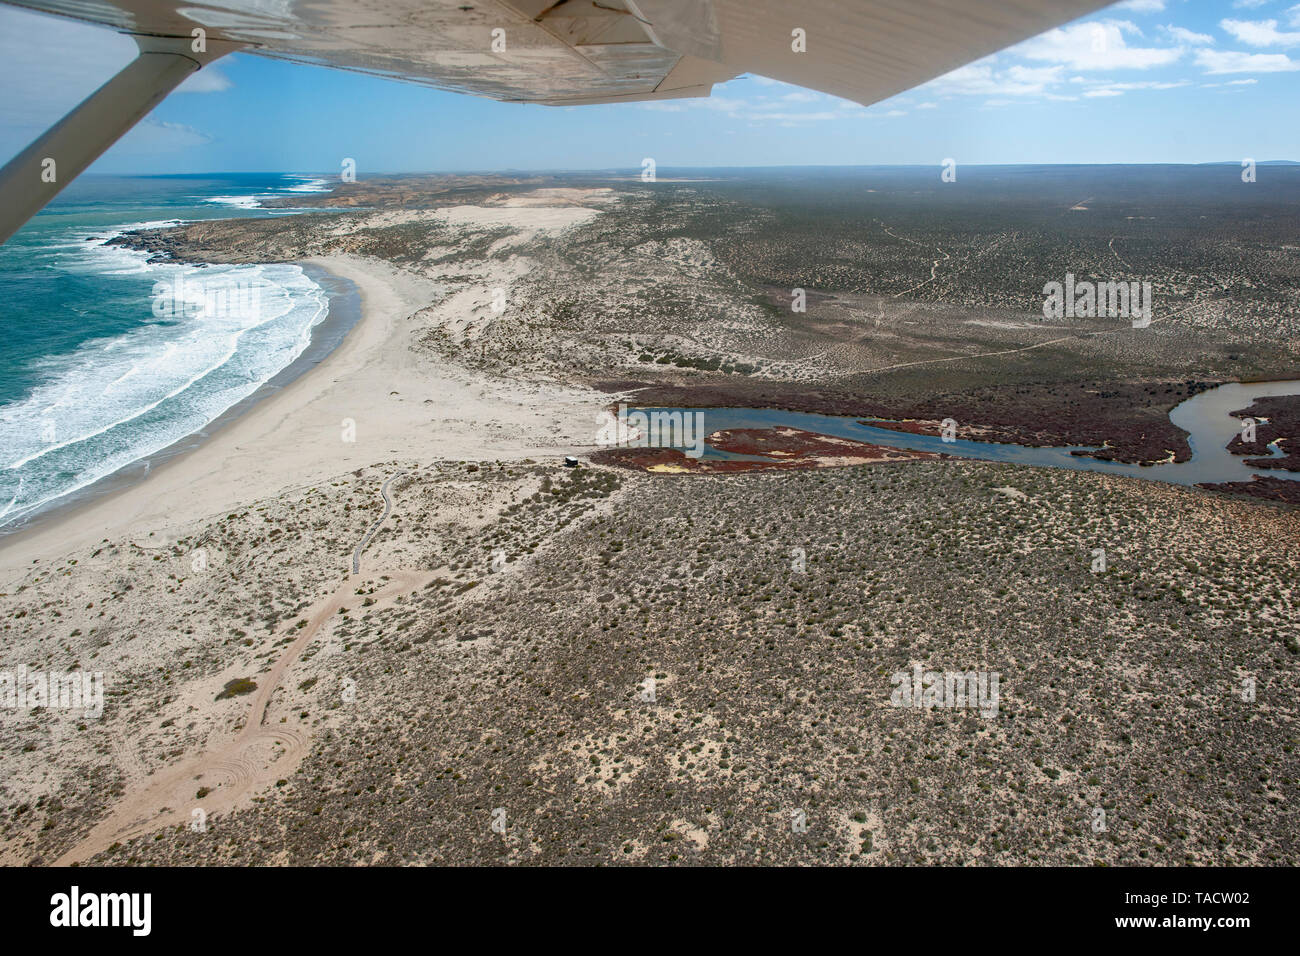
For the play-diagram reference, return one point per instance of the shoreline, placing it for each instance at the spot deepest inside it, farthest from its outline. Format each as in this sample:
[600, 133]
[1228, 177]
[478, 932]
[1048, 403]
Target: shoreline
[403, 404]
[66, 523]
[343, 313]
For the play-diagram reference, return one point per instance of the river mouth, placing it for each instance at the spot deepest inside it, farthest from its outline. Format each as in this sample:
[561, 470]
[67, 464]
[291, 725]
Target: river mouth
[1205, 417]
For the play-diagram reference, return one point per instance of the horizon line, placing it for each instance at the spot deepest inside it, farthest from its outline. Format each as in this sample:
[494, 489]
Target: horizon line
[637, 169]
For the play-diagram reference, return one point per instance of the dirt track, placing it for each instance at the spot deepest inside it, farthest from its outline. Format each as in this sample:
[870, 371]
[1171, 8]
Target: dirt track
[253, 759]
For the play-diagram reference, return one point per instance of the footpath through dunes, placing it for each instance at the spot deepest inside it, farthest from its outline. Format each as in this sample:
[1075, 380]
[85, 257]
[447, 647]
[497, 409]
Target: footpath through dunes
[370, 532]
[232, 772]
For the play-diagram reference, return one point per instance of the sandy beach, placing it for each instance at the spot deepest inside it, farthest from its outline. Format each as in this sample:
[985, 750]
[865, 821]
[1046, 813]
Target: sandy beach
[309, 457]
[375, 607]
[402, 403]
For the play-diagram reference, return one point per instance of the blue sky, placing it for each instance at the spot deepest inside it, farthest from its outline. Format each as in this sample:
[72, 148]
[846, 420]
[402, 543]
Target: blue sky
[1143, 81]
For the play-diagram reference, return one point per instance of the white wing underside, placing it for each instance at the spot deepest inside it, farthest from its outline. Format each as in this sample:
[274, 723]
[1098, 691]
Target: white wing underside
[580, 51]
[534, 51]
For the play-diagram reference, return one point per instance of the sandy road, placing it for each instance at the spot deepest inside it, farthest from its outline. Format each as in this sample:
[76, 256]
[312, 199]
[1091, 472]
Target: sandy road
[370, 533]
[1027, 348]
[1111, 246]
[255, 757]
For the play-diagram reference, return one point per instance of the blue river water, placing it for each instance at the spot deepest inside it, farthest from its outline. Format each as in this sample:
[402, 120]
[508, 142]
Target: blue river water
[1205, 417]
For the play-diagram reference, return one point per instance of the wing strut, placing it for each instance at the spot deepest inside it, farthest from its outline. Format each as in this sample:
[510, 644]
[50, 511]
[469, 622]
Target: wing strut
[35, 176]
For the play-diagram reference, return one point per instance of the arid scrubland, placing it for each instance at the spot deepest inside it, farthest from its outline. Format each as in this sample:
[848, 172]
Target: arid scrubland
[541, 664]
[519, 682]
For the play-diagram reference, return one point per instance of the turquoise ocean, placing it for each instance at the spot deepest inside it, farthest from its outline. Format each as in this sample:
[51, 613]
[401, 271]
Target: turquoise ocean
[107, 358]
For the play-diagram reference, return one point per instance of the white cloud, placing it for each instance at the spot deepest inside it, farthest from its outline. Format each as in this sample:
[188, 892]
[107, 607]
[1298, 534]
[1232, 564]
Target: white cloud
[1216, 61]
[1259, 33]
[724, 103]
[984, 79]
[770, 109]
[207, 80]
[1141, 6]
[926, 106]
[157, 136]
[1189, 37]
[1036, 74]
[1147, 85]
[779, 117]
[1249, 4]
[1099, 45]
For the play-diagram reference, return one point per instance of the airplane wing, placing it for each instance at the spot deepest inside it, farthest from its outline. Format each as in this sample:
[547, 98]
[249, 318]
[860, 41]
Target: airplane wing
[537, 51]
[605, 51]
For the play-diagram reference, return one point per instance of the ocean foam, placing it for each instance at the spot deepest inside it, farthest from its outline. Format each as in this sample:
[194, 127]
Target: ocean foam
[239, 202]
[310, 186]
[304, 184]
[119, 399]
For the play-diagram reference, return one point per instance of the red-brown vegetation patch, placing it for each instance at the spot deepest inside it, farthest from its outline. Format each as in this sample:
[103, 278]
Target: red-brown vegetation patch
[1130, 419]
[1270, 489]
[1283, 425]
[783, 448]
